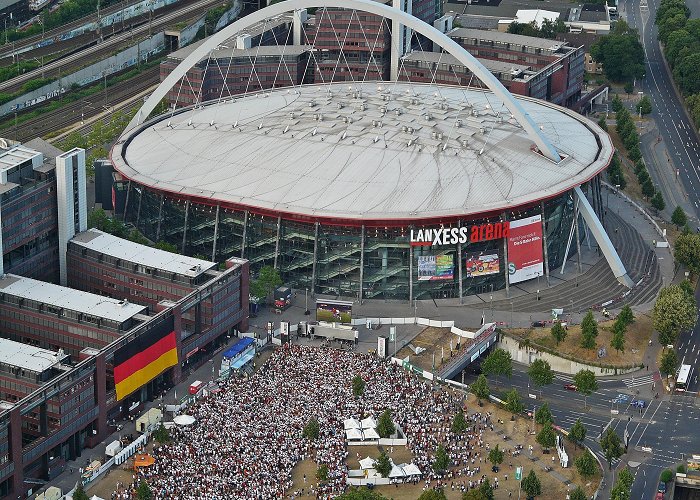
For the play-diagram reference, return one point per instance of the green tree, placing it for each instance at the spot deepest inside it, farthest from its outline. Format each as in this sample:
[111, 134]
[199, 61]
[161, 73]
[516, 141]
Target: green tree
[543, 415]
[686, 73]
[358, 386]
[620, 53]
[626, 315]
[362, 493]
[474, 494]
[657, 201]
[617, 341]
[586, 465]
[577, 433]
[480, 388]
[268, 279]
[648, 188]
[558, 332]
[486, 490]
[459, 423]
[578, 494]
[674, 311]
[311, 429]
[602, 123]
[617, 104]
[678, 217]
[143, 492]
[385, 426]
[644, 105]
[496, 455]
[589, 331]
[629, 88]
[322, 473]
[541, 373]
[383, 464]
[441, 462]
[546, 437]
[79, 493]
[161, 434]
[619, 492]
[585, 383]
[611, 445]
[681, 469]
[626, 478]
[432, 495]
[164, 245]
[669, 362]
[513, 402]
[497, 363]
[687, 251]
[531, 485]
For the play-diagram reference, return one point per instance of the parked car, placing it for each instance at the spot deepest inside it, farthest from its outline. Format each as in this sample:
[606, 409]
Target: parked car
[662, 487]
[570, 387]
[659, 496]
[495, 468]
[638, 403]
[539, 324]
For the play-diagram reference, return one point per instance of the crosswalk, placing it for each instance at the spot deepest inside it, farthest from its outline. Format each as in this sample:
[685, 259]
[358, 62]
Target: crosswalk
[637, 381]
[615, 461]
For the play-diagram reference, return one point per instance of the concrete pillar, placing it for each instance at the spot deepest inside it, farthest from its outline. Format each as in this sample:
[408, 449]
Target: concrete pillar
[15, 439]
[216, 234]
[43, 420]
[184, 227]
[245, 229]
[400, 38]
[99, 380]
[362, 261]
[138, 209]
[313, 266]
[299, 18]
[126, 201]
[160, 216]
[544, 241]
[578, 240]
[505, 258]
[277, 241]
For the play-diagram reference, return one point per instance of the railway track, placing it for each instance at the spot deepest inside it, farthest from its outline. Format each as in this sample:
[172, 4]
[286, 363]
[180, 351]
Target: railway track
[83, 109]
[100, 51]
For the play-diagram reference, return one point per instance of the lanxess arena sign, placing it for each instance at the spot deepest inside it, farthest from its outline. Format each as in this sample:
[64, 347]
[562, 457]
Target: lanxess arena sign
[454, 235]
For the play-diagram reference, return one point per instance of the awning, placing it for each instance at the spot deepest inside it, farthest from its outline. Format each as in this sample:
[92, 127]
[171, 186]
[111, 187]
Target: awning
[353, 435]
[367, 463]
[369, 423]
[243, 360]
[396, 471]
[370, 434]
[352, 423]
[184, 420]
[412, 470]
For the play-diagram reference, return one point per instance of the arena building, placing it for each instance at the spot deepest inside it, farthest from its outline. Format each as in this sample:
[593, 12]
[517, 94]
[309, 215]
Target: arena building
[366, 189]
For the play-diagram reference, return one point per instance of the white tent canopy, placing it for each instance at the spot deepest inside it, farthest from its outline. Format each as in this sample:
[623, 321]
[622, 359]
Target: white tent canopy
[370, 434]
[396, 471]
[367, 463]
[95, 497]
[353, 434]
[352, 423]
[184, 420]
[369, 423]
[412, 470]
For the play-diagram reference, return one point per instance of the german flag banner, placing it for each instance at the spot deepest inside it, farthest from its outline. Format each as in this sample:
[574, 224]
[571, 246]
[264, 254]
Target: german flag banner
[144, 358]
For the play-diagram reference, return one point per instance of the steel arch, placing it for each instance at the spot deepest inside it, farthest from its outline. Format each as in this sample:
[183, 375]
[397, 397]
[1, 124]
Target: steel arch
[372, 7]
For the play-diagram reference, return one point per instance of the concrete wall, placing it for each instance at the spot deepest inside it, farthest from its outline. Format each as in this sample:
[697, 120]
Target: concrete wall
[558, 364]
[230, 15]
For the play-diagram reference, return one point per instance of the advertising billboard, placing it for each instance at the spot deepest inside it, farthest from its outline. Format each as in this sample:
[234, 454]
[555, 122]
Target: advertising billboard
[435, 267]
[525, 249]
[482, 265]
[333, 311]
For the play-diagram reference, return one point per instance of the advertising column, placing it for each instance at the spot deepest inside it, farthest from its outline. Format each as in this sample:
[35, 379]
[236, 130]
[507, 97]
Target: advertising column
[525, 259]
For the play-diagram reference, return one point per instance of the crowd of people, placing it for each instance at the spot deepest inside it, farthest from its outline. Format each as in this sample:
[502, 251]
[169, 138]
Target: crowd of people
[247, 438]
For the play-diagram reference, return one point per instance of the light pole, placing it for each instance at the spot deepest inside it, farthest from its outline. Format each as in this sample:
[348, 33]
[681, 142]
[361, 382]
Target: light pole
[491, 302]
[306, 302]
[511, 314]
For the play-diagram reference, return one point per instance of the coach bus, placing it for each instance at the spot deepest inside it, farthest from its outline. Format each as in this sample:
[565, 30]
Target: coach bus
[683, 378]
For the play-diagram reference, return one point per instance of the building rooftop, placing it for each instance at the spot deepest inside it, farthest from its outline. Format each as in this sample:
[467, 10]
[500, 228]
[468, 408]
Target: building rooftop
[506, 8]
[259, 51]
[498, 36]
[592, 13]
[146, 256]
[374, 151]
[537, 16]
[15, 156]
[28, 357]
[68, 298]
[445, 58]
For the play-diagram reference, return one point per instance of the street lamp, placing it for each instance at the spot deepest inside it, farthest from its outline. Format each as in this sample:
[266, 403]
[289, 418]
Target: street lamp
[511, 314]
[491, 302]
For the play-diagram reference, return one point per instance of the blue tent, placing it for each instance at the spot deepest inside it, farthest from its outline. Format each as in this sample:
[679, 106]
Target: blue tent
[238, 348]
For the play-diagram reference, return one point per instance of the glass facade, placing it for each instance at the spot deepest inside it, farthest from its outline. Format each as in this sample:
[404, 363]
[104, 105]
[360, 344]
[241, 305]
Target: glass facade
[341, 260]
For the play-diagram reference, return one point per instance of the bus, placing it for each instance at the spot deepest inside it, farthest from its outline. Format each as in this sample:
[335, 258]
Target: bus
[683, 378]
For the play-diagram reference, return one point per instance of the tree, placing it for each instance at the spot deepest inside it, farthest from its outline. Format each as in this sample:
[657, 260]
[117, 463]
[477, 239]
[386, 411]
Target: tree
[480, 388]
[543, 415]
[362, 493]
[669, 362]
[629, 88]
[143, 492]
[611, 445]
[586, 464]
[617, 104]
[648, 188]
[541, 373]
[589, 331]
[164, 245]
[620, 53]
[558, 332]
[602, 123]
[322, 473]
[441, 462]
[578, 494]
[161, 434]
[496, 456]
[626, 478]
[513, 402]
[531, 484]
[687, 251]
[585, 383]
[383, 464]
[674, 311]
[498, 363]
[546, 437]
[431, 494]
[358, 386]
[79, 493]
[459, 423]
[577, 433]
[686, 73]
[617, 341]
[385, 427]
[657, 201]
[644, 105]
[268, 279]
[678, 217]
[486, 490]
[311, 430]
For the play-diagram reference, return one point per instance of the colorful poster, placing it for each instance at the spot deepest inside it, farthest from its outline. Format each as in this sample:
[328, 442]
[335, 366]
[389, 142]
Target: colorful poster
[334, 311]
[481, 265]
[435, 267]
[525, 249]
